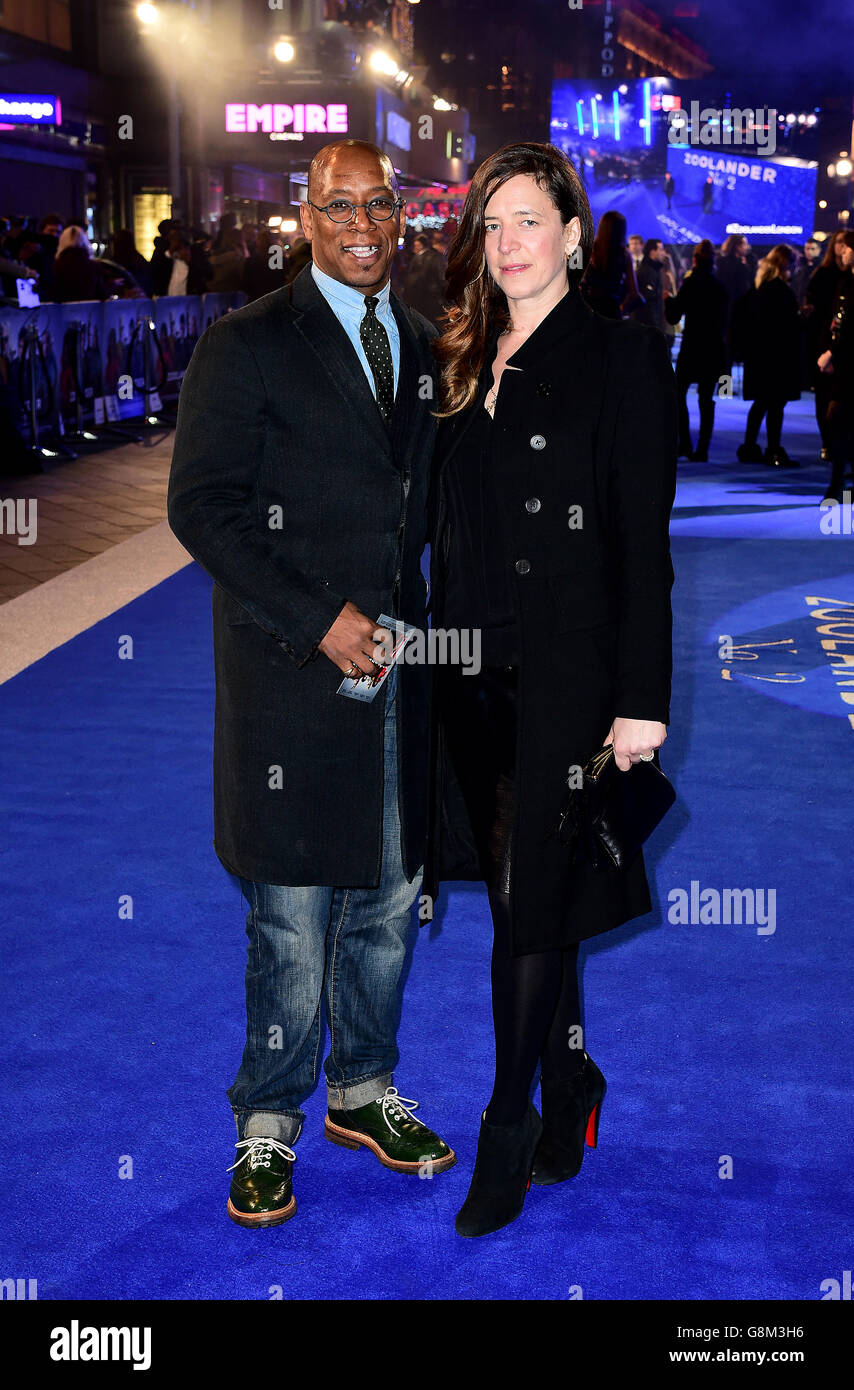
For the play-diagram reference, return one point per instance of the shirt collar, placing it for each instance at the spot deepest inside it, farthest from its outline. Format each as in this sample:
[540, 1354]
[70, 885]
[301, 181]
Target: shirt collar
[345, 295]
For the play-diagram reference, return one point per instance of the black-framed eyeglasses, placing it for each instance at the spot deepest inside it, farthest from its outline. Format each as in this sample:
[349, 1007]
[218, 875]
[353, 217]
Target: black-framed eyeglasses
[342, 210]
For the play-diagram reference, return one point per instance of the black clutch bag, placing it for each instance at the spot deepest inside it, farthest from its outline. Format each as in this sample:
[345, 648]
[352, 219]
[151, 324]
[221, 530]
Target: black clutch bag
[612, 813]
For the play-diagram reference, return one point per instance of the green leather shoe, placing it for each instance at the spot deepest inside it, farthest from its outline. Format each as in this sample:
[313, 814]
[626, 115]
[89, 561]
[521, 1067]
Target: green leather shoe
[262, 1192]
[388, 1129]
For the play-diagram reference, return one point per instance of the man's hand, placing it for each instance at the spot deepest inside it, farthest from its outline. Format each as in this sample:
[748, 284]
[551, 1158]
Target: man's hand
[825, 362]
[633, 737]
[350, 642]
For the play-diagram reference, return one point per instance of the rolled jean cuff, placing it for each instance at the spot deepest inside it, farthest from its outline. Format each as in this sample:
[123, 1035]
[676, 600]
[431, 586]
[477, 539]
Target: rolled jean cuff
[284, 1125]
[350, 1095]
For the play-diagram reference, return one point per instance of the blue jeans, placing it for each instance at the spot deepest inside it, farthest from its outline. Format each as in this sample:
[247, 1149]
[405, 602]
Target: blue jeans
[347, 944]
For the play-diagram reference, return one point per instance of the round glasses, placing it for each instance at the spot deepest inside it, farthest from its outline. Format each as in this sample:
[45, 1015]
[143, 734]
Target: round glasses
[342, 210]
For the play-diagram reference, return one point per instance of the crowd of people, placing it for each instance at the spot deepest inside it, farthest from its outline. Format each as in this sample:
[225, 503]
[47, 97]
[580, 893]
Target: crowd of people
[61, 260]
[785, 316]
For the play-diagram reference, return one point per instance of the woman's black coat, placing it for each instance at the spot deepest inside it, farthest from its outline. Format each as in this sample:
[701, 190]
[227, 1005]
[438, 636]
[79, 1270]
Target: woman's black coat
[771, 327]
[702, 300]
[589, 421]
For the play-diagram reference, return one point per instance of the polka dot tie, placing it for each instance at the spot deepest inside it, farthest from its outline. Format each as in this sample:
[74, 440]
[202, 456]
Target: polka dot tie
[375, 342]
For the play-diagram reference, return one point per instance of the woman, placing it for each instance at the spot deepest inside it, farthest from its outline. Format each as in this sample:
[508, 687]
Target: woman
[76, 273]
[609, 283]
[736, 276]
[817, 313]
[702, 301]
[772, 357]
[836, 363]
[553, 484]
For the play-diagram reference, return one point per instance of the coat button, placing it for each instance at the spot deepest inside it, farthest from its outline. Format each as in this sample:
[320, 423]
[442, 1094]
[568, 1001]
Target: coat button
[533, 504]
[538, 441]
[544, 388]
[522, 566]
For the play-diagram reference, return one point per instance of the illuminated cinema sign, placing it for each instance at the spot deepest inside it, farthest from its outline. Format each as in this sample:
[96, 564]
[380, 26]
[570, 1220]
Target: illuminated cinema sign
[19, 108]
[282, 121]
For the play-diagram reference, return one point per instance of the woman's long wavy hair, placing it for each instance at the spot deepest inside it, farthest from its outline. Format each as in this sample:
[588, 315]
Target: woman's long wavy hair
[774, 266]
[476, 303]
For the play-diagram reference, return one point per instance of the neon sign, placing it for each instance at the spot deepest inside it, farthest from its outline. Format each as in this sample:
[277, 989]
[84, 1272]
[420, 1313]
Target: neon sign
[279, 118]
[18, 108]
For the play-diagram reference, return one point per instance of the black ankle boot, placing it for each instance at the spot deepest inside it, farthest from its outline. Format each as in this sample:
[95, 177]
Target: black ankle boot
[571, 1110]
[501, 1177]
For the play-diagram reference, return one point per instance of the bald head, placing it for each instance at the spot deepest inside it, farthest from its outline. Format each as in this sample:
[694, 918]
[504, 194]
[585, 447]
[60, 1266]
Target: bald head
[357, 252]
[333, 162]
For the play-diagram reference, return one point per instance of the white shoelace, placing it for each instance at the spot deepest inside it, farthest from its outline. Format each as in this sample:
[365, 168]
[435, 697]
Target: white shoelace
[259, 1152]
[398, 1107]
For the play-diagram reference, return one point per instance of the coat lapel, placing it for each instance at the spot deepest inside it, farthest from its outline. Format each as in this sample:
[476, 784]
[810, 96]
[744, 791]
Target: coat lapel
[411, 420]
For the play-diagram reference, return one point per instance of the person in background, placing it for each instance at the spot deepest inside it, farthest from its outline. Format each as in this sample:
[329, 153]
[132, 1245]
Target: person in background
[76, 274]
[651, 285]
[609, 284]
[160, 265]
[836, 363]
[817, 313]
[191, 270]
[772, 357]
[265, 269]
[10, 271]
[636, 250]
[670, 286]
[227, 262]
[669, 189]
[734, 273]
[802, 276]
[125, 254]
[424, 287]
[702, 357]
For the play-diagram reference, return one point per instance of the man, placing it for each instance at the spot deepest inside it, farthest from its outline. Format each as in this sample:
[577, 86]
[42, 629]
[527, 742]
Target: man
[636, 250]
[424, 287]
[299, 481]
[651, 284]
[803, 274]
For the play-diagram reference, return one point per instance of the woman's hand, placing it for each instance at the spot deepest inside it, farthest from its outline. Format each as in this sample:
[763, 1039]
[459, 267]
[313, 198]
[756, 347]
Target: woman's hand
[825, 362]
[633, 738]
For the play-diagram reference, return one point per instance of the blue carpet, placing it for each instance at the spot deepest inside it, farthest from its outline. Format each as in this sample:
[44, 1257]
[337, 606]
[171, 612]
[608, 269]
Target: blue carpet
[718, 1041]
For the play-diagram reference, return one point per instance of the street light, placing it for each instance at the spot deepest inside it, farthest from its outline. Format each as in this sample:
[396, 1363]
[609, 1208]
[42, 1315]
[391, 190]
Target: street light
[284, 51]
[147, 14]
[383, 62]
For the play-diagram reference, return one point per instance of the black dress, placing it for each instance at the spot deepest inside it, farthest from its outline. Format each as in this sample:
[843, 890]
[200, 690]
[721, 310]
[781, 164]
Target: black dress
[479, 709]
[477, 580]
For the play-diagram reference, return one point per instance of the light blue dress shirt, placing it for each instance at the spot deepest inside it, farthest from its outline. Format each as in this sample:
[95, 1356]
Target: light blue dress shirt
[348, 306]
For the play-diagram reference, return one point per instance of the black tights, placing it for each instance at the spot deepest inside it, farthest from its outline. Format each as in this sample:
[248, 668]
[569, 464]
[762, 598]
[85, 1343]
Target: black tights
[773, 413]
[535, 1006]
[535, 1014]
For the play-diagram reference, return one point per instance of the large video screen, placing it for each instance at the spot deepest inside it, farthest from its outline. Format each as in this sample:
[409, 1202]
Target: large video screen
[617, 138]
[716, 192]
[612, 134]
